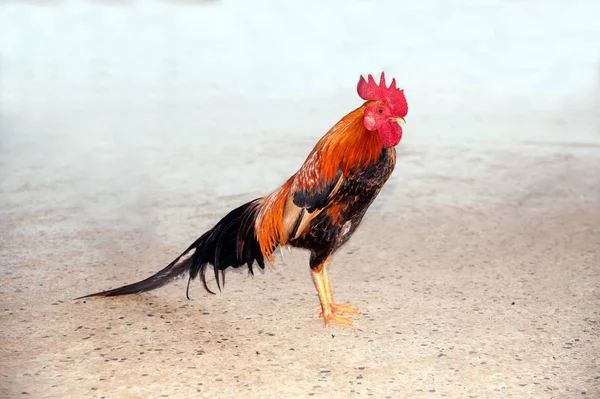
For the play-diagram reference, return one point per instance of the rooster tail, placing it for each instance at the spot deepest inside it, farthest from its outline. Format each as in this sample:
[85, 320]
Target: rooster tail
[232, 242]
[163, 277]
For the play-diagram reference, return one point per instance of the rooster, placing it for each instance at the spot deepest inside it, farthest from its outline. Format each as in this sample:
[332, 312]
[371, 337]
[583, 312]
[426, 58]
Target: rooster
[318, 208]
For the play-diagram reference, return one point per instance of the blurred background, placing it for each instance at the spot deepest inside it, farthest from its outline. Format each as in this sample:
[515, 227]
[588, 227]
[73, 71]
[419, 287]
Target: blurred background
[110, 106]
[103, 88]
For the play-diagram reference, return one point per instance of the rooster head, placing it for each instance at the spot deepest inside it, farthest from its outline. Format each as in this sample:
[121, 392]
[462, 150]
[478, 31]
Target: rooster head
[386, 108]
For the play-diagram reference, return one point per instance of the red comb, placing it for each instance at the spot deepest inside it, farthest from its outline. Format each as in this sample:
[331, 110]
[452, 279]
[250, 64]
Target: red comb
[371, 91]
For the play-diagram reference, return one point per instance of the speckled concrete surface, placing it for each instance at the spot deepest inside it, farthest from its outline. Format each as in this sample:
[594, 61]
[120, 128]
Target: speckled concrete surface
[484, 285]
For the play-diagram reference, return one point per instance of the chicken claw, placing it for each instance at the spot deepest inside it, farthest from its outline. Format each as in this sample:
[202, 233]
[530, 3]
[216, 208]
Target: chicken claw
[335, 319]
[343, 308]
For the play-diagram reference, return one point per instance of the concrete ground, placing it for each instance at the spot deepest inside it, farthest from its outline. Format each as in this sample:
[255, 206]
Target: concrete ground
[479, 283]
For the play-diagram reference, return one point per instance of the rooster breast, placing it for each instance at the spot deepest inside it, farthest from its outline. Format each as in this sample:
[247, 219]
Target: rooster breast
[344, 211]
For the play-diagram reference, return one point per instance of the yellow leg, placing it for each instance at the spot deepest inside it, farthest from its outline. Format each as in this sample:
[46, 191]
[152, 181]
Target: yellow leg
[342, 308]
[328, 308]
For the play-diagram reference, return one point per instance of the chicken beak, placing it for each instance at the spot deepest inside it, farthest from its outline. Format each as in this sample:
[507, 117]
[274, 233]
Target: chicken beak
[399, 120]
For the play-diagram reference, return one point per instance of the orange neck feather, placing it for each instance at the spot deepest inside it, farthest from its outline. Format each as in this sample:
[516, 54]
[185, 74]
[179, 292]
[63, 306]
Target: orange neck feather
[346, 145]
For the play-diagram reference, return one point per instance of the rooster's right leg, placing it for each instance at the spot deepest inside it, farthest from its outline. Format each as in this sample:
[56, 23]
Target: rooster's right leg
[328, 308]
[335, 308]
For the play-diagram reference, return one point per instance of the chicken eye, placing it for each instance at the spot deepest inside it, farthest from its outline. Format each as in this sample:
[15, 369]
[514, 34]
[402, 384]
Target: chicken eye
[380, 111]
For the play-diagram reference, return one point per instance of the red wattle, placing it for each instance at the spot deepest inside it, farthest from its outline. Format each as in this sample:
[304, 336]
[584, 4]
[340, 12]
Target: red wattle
[390, 134]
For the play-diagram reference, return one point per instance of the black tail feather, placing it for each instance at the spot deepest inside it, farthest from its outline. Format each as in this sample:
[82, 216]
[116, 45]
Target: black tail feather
[163, 277]
[230, 243]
